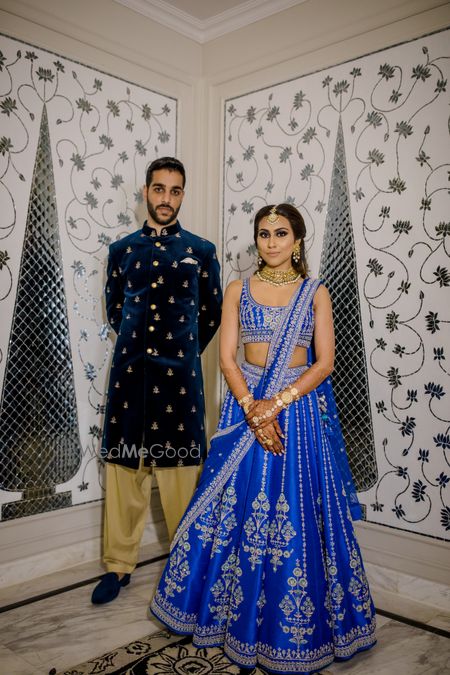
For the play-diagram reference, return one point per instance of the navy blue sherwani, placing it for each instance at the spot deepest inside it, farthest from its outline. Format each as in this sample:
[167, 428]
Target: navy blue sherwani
[163, 298]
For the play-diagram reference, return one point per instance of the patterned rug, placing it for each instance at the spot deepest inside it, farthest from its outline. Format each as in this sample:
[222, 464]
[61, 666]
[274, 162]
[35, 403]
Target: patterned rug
[161, 653]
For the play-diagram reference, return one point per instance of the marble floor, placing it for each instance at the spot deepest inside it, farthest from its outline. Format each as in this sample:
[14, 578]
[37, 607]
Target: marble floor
[64, 629]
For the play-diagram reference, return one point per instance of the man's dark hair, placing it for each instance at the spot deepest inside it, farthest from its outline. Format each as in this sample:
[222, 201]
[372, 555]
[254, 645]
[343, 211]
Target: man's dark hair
[169, 163]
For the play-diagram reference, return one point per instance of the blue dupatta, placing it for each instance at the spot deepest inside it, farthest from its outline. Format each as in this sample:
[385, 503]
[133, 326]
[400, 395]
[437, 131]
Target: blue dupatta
[230, 445]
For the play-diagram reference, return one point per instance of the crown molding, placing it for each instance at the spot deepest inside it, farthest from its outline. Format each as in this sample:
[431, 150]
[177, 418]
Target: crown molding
[209, 29]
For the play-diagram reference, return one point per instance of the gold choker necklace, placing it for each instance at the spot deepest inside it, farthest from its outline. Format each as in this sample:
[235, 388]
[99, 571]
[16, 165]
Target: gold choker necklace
[278, 277]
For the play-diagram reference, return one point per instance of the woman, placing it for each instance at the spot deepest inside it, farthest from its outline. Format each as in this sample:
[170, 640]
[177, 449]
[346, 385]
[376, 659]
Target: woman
[265, 562]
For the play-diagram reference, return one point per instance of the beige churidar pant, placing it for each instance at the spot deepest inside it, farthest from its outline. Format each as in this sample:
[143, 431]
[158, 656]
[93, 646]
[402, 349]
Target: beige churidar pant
[127, 502]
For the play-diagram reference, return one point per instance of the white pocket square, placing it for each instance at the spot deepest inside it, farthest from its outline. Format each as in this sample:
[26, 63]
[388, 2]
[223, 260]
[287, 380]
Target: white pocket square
[191, 261]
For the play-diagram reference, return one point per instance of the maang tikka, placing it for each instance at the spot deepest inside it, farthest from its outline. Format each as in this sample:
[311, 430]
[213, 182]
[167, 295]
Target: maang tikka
[273, 215]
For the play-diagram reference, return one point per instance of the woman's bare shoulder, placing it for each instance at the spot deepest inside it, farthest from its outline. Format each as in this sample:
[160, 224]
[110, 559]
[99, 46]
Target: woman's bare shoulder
[234, 288]
[322, 294]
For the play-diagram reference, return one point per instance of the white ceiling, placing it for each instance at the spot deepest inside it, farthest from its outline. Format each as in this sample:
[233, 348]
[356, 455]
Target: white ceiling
[204, 20]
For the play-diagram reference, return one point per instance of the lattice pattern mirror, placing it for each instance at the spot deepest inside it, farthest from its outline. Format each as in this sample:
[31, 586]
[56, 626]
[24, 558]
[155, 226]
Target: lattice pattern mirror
[338, 269]
[39, 441]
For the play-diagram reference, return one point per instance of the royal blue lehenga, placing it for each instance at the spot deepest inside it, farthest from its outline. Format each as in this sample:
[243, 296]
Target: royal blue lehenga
[265, 562]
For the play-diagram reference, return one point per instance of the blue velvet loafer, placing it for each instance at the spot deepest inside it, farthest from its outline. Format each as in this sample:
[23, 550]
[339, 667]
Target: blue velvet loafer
[109, 588]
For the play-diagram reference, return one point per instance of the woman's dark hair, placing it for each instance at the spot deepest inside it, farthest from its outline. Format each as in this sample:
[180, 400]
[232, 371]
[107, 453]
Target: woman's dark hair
[169, 163]
[298, 227]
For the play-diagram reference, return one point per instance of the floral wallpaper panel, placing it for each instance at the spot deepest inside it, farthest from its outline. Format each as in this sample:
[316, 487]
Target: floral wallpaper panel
[103, 133]
[280, 146]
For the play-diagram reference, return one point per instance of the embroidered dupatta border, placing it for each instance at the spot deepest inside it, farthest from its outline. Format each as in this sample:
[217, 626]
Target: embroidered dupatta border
[281, 348]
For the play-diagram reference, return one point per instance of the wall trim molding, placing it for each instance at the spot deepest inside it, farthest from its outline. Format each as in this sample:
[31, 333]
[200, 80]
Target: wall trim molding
[41, 28]
[33, 535]
[405, 552]
[38, 545]
[49, 542]
[202, 31]
[326, 51]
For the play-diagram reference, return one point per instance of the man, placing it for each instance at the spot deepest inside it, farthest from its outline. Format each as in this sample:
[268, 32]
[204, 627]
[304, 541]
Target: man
[163, 298]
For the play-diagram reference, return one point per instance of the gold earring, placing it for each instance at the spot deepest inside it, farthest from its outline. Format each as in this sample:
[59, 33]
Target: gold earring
[259, 260]
[296, 251]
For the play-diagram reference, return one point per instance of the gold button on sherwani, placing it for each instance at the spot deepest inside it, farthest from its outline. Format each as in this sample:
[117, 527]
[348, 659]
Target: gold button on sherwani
[168, 284]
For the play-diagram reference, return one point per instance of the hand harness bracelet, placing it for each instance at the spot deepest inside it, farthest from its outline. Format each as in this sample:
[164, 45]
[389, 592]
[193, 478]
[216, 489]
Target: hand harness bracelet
[282, 401]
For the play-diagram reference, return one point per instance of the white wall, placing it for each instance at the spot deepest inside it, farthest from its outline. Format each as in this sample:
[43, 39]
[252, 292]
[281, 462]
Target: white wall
[300, 40]
[104, 35]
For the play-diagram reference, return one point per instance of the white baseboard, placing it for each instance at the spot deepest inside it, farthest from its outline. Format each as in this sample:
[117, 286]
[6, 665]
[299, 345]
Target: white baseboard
[49, 542]
[398, 564]
[408, 574]
[405, 552]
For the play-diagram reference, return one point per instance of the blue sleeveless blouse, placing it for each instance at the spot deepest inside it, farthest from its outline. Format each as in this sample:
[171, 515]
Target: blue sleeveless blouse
[258, 322]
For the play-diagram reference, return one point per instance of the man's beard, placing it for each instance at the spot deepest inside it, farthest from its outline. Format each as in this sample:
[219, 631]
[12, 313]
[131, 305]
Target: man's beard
[161, 220]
